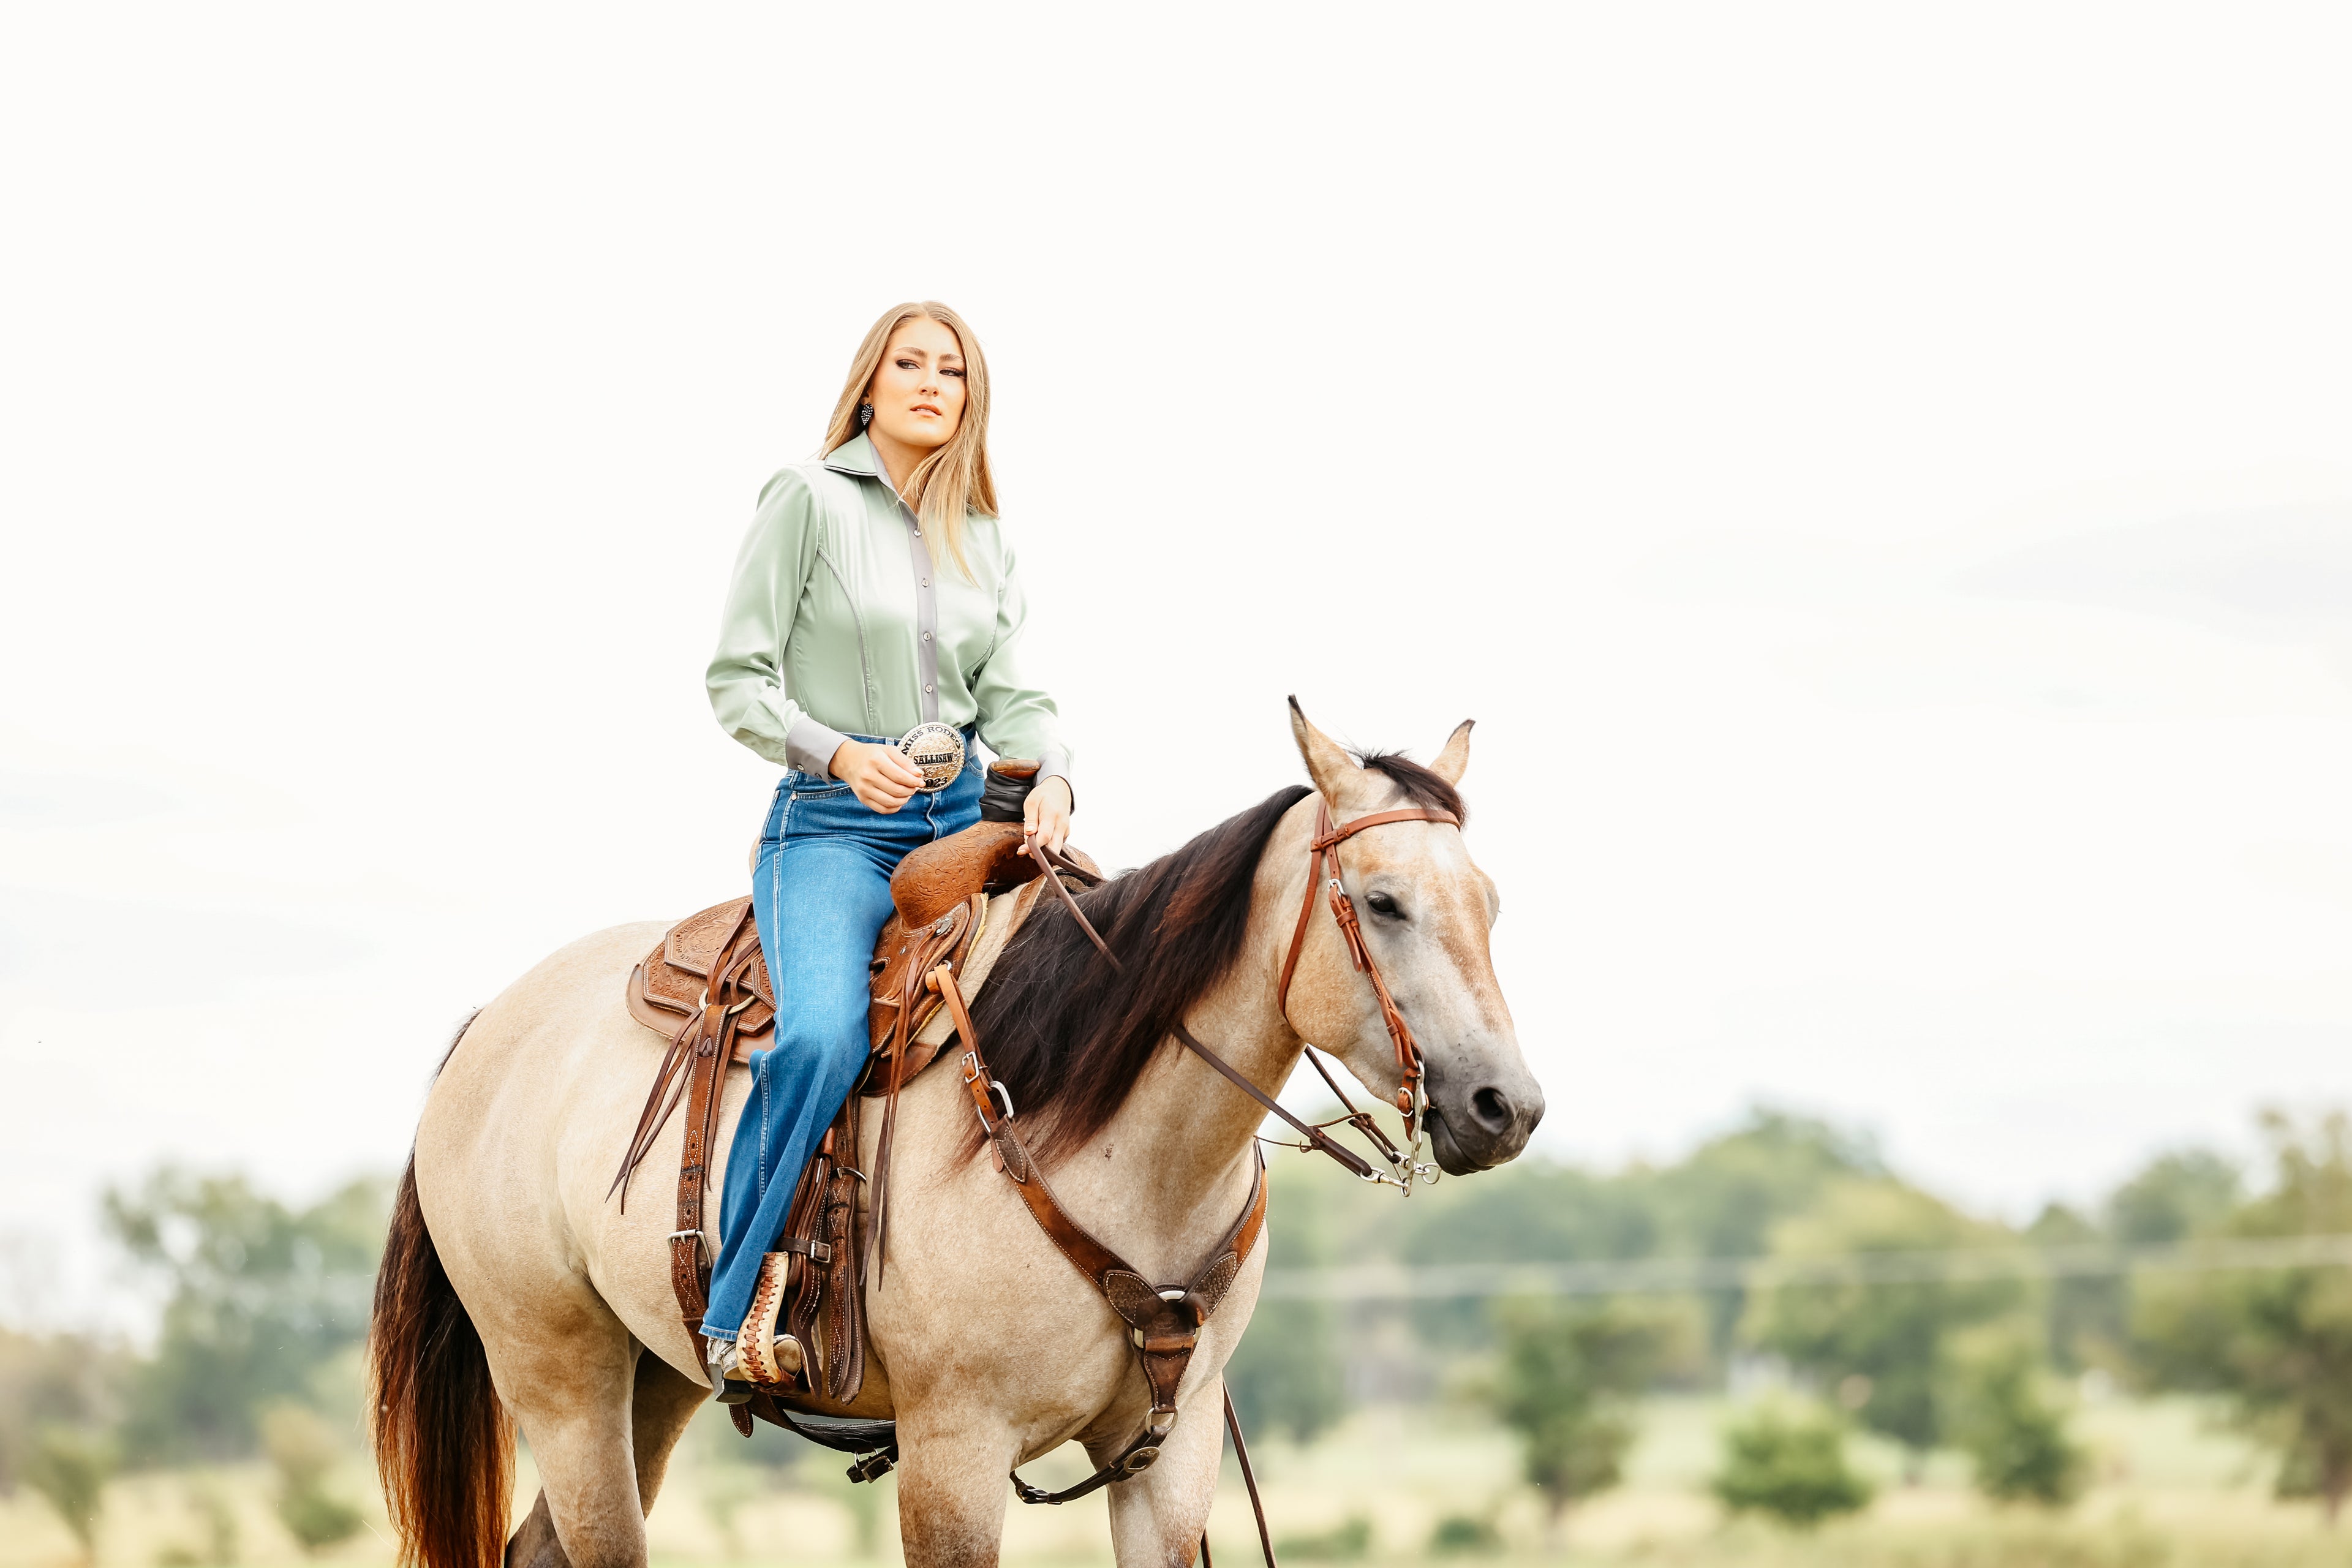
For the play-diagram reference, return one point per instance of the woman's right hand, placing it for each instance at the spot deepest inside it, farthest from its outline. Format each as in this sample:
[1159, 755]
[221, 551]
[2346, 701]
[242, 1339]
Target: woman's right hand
[879, 776]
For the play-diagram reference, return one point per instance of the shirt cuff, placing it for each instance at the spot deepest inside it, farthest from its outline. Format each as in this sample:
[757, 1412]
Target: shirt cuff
[1053, 762]
[809, 746]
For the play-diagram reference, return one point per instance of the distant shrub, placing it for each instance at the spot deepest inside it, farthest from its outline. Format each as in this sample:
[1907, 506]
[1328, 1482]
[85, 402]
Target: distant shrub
[47, 1382]
[69, 1469]
[2017, 1438]
[209, 1503]
[220, 1522]
[1465, 1535]
[1567, 1382]
[1345, 1543]
[1790, 1464]
[317, 1520]
[304, 1450]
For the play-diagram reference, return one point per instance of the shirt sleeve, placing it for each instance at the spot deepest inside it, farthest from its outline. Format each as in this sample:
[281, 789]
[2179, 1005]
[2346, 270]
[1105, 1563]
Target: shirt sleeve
[1016, 719]
[746, 677]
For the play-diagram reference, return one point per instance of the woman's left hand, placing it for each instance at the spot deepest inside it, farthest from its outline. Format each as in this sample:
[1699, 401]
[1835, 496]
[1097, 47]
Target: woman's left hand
[1046, 816]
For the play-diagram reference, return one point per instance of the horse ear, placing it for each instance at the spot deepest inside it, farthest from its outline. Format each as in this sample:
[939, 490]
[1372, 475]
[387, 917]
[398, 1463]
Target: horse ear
[1335, 772]
[1455, 761]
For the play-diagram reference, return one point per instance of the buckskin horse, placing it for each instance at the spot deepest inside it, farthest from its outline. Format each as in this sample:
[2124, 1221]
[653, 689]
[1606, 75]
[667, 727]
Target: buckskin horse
[515, 1291]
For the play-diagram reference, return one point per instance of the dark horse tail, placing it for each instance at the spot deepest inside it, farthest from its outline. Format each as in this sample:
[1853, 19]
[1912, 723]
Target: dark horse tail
[444, 1442]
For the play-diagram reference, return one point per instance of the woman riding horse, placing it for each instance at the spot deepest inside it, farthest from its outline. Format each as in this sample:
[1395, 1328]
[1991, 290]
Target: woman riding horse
[872, 629]
[516, 1294]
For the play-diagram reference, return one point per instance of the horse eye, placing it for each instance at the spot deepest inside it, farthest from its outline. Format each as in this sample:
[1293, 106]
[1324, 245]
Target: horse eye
[1383, 904]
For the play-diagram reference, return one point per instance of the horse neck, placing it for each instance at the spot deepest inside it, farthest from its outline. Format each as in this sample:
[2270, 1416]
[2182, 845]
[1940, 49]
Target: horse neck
[1190, 1131]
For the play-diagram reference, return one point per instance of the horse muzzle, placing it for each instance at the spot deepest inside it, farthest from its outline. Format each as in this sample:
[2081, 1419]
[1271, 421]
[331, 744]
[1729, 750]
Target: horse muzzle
[1484, 1127]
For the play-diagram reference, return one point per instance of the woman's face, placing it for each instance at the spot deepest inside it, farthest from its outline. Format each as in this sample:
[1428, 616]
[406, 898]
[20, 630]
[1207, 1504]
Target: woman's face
[918, 390]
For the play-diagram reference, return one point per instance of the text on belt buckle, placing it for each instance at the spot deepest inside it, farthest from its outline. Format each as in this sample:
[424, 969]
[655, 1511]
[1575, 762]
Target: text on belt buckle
[937, 752]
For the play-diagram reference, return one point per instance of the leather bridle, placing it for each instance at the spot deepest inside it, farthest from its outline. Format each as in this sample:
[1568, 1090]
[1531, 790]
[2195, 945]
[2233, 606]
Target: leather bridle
[1412, 1097]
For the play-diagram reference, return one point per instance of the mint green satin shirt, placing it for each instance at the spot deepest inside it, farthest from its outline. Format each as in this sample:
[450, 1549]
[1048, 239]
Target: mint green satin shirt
[839, 622]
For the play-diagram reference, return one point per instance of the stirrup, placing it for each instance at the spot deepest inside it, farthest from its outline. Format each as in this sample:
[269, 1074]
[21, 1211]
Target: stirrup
[767, 1357]
[778, 1366]
[726, 1390]
[729, 1375]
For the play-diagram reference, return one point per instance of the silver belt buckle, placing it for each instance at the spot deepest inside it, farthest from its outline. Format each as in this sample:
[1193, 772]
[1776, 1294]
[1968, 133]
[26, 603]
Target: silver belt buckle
[937, 752]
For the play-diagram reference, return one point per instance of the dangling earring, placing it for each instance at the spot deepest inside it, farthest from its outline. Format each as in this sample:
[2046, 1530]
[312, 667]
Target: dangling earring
[865, 415]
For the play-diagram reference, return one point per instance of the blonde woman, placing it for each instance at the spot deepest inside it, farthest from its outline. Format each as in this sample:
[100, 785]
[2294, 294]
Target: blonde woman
[873, 628]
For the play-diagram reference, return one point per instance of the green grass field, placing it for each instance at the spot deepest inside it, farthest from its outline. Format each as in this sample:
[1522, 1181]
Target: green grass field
[2171, 1489]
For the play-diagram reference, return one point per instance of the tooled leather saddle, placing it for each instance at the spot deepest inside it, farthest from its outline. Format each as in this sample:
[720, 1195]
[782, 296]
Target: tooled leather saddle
[706, 987]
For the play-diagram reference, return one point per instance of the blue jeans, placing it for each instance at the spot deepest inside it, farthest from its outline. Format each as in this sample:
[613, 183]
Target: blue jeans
[821, 895]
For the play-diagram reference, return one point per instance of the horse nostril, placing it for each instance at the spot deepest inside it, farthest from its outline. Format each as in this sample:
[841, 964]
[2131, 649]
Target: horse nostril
[1493, 1111]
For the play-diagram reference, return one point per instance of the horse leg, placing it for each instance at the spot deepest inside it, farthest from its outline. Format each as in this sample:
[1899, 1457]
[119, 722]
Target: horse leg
[664, 1400]
[951, 1491]
[571, 1385]
[1156, 1520]
[533, 1544]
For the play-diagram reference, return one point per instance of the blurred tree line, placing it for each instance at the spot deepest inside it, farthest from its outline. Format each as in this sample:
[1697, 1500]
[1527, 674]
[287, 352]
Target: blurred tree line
[263, 1305]
[1986, 1365]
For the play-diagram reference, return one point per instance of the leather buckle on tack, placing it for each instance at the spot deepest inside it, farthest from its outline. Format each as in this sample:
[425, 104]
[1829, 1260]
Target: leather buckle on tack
[995, 1086]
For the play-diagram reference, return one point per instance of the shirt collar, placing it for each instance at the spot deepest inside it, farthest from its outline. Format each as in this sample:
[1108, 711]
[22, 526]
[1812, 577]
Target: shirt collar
[855, 455]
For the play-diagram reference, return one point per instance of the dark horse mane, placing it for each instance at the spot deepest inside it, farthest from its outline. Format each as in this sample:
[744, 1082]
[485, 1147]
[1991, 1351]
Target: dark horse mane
[1068, 1034]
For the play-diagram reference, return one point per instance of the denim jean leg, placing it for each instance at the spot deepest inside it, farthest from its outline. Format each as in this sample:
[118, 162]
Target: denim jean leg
[821, 893]
[820, 901]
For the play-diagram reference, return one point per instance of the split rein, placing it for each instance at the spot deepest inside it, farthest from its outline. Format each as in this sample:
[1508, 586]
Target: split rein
[1405, 1167]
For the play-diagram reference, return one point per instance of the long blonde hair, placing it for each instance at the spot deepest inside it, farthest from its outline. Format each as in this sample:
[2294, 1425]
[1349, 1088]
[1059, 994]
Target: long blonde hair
[955, 479]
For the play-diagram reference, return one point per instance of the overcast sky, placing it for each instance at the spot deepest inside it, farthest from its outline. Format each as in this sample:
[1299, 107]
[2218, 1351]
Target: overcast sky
[1882, 480]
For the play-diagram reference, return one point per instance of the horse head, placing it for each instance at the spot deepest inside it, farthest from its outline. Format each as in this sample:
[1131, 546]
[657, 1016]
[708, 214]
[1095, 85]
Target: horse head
[1425, 910]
